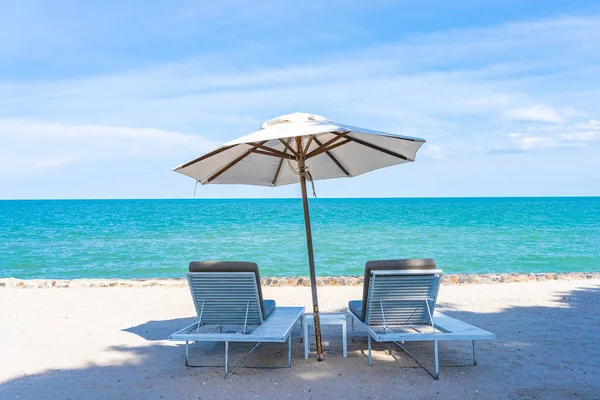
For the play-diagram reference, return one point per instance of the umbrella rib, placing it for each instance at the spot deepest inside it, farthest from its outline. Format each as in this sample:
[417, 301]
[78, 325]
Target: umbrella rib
[290, 148]
[310, 139]
[204, 157]
[323, 149]
[274, 181]
[375, 147]
[274, 152]
[268, 153]
[338, 136]
[339, 165]
[328, 143]
[231, 164]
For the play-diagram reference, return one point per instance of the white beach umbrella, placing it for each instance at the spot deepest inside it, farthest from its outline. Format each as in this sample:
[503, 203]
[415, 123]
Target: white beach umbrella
[297, 147]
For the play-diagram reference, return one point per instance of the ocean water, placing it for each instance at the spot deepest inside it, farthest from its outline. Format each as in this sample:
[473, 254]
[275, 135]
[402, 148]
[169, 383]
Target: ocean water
[158, 238]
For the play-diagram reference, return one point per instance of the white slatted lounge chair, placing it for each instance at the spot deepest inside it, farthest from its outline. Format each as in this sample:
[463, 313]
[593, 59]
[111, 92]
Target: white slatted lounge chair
[230, 308]
[399, 300]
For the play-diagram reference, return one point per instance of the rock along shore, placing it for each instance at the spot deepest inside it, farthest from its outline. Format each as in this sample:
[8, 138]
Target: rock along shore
[449, 279]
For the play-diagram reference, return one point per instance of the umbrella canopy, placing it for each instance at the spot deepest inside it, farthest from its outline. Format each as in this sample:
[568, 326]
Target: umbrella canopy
[297, 147]
[268, 156]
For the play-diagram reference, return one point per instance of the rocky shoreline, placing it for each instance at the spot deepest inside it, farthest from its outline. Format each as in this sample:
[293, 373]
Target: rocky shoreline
[449, 279]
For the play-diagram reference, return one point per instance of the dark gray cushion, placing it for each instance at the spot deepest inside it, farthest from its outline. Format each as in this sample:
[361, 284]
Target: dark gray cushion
[235, 266]
[386, 265]
[355, 307]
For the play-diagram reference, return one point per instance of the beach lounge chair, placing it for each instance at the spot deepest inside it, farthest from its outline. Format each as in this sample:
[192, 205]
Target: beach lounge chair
[398, 305]
[230, 308]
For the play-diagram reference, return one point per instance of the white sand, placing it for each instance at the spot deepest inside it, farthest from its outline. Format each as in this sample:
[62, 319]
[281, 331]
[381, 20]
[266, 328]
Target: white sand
[108, 343]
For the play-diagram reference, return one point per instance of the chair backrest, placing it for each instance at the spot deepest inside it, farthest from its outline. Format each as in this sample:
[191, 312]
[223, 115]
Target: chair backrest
[391, 265]
[226, 298]
[226, 292]
[402, 297]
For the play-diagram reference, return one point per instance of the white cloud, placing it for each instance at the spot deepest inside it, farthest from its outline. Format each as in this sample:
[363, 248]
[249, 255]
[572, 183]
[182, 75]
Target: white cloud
[585, 132]
[424, 77]
[564, 136]
[589, 136]
[31, 145]
[591, 125]
[452, 88]
[535, 113]
[534, 142]
[433, 151]
[469, 86]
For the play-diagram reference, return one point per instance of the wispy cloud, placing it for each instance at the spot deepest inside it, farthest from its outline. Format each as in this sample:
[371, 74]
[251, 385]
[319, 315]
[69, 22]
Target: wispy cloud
[556, 136]
[525, 86]
[526, 142]
[449, 86]
[587, 132]
[34, 146]
[535, 114]
[433, 151]
[414, 77]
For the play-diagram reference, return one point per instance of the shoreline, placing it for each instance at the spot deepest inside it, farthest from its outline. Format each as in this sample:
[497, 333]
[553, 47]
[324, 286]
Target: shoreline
[447, 279]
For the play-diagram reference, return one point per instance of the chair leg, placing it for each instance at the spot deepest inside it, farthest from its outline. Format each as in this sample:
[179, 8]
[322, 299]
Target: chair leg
[352, 329]
[306, 335]
[437, 362]
[290, 351]
[345, 340]
[226, 360]
[474, 354]
[187, 354]
[370, 361]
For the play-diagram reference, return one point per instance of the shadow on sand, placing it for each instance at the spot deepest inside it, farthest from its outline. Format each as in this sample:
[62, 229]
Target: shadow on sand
[532, 357]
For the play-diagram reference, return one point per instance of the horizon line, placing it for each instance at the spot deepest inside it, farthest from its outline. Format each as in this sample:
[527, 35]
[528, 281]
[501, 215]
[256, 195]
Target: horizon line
[291, 198]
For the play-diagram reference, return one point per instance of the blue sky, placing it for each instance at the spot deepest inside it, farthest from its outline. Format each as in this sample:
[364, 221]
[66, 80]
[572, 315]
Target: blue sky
[100, 99]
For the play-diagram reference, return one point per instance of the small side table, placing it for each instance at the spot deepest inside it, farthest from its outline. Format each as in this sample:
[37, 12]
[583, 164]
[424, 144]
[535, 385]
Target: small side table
[324, 319]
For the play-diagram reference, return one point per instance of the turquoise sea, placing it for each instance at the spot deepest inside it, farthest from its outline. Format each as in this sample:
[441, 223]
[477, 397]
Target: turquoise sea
[158, 238]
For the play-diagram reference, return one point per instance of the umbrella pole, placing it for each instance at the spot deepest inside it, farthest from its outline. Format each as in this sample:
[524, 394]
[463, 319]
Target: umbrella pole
[311, 260]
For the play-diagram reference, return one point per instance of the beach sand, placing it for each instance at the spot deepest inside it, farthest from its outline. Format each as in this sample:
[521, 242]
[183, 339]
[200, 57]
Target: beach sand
[108, 343]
